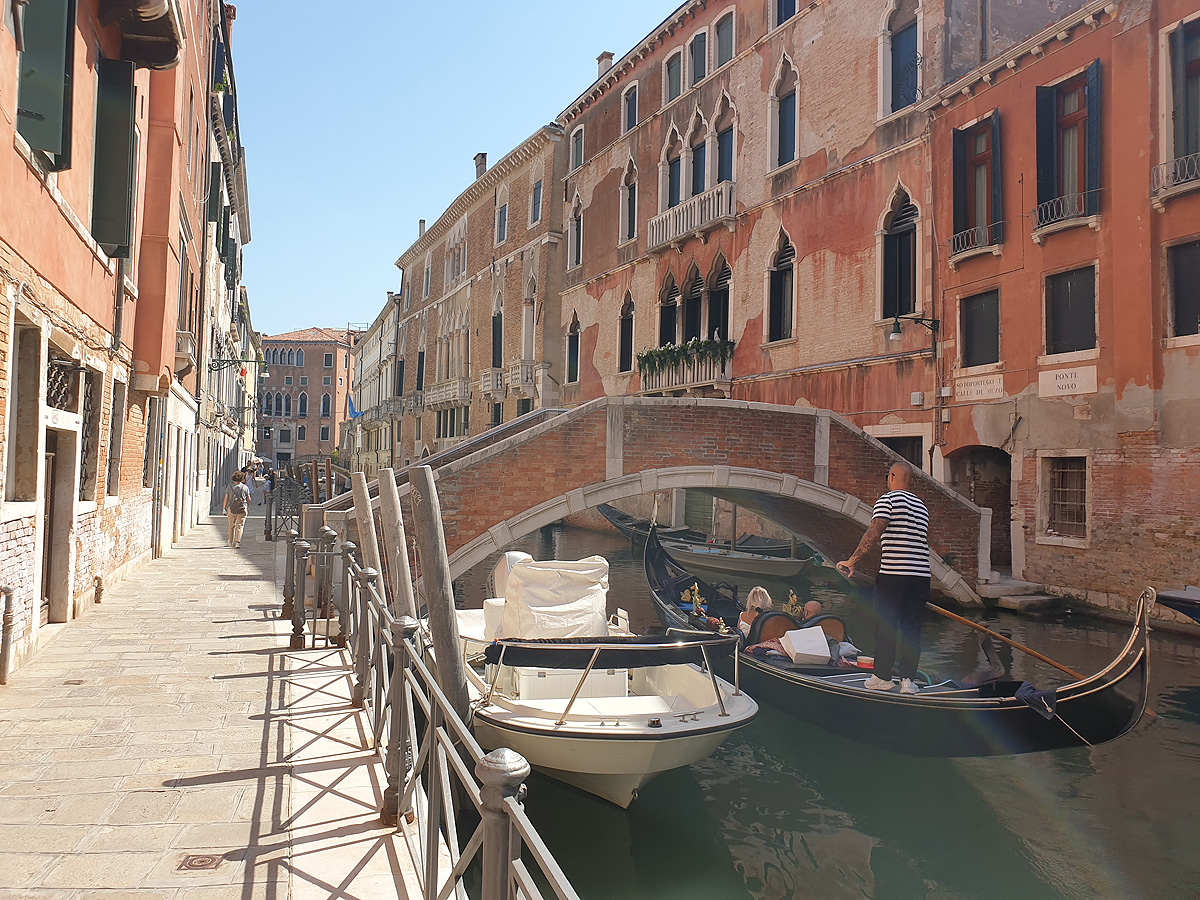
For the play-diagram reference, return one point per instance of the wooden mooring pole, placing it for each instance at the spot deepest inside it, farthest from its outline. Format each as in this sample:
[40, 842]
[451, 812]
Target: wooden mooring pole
[439, 591]
[395, 545]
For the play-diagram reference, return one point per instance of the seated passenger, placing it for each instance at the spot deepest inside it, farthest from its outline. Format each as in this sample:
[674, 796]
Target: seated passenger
[811, 609]
[758, 600]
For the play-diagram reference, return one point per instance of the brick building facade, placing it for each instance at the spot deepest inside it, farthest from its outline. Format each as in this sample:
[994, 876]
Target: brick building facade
[303, 395]
[104, 186]
[973, 238]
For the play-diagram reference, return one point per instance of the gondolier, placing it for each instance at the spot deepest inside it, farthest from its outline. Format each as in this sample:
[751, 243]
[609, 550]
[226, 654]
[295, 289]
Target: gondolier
[900, 523]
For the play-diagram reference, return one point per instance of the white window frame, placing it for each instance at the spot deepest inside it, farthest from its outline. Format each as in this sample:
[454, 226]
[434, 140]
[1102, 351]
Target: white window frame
[884, 67]
[631, 88]
[626, 233]
[667, 99]
[785, 63]
[426, 285]
[500, 228]
[773, 14]
[729, 14]
[576, 135]
[575, 234]
[328, 361]
[689, 60]
[919, 276]
[536, 174]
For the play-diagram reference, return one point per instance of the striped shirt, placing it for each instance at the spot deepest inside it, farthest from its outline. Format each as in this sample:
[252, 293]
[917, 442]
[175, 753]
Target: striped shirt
[905, 541]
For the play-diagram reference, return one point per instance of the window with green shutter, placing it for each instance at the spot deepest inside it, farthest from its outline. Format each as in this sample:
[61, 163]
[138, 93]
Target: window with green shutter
[44, 79]
[113, 160]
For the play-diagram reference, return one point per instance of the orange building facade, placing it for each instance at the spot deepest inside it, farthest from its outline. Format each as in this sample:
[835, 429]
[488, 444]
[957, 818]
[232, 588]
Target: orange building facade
[103, 185]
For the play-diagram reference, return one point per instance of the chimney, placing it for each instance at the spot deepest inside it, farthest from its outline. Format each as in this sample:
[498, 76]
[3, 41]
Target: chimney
[230, 15]
[421, 228]
[604, 63]
[480, 164]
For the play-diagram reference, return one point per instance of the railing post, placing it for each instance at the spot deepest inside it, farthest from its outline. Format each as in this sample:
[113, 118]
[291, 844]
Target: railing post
[268, 531]
[395, 750]
[325, 577]
[289, 575]
[345, 613]
[501, 775]
[302, 548]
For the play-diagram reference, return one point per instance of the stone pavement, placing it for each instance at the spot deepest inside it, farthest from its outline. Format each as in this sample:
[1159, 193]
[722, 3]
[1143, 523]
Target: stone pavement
[168, 745]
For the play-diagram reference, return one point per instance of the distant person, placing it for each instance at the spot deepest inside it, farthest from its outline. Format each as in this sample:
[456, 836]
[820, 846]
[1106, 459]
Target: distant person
[812, 609]
[268, 485]
[235, 505]
[900, 523]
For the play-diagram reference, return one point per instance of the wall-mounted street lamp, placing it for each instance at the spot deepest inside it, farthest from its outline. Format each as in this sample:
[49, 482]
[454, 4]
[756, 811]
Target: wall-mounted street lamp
[932, 324]
[216, 365]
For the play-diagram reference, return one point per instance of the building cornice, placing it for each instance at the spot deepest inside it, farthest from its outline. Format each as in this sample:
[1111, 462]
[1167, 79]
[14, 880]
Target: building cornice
[1089, 14]
[489, 180]
[666, 29]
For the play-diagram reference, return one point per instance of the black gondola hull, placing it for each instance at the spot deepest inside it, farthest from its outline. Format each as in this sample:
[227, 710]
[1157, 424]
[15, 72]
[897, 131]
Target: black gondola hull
[954, 722]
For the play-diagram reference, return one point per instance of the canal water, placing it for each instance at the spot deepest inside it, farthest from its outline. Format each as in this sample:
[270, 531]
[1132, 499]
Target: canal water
[786, 810]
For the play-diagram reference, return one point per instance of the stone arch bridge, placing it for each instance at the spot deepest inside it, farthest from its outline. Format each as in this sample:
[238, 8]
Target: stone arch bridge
[807, 469]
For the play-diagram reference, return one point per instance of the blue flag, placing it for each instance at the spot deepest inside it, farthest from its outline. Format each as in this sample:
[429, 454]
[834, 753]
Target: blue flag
[353, 413]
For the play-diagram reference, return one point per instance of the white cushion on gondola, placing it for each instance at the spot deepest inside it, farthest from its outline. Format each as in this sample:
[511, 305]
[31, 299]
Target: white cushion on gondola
[556, 599]
[807, 646]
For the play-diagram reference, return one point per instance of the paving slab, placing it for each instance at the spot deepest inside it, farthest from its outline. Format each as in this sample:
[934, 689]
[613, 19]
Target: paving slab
[201, 759]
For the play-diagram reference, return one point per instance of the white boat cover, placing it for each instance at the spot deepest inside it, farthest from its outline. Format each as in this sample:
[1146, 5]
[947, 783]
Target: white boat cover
[556, 599]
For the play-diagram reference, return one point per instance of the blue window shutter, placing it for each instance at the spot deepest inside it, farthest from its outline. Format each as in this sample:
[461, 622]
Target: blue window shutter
[960, 180]
[1047, 144]
[43, 94]
[1093, 138]
[997, 186]
[112, 162]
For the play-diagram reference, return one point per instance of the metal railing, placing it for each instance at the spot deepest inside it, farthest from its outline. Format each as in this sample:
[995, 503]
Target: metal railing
[433, 767]
[975, 238]
[1062, 209]
[1175, 172]
[691, 372]
[692, 215]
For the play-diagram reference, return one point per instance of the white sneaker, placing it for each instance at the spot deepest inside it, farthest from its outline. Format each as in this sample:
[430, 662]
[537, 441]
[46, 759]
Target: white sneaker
[908, 687]
[878, 684]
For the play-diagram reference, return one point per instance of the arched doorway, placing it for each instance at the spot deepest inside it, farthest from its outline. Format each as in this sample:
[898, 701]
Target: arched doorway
[984, 476]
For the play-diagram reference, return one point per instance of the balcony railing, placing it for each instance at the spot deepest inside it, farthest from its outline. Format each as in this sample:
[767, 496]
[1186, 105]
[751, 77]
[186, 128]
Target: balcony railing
[414, 403]
[1175, 173]
[454, 392]
[491, 384]
[522, 375]
[1061, 209]
[981, 237]
[691, 373]
[185, 348]
[692, 216]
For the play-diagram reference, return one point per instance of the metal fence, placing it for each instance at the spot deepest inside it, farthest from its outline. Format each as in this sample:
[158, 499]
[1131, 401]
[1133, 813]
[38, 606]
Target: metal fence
[437, 777]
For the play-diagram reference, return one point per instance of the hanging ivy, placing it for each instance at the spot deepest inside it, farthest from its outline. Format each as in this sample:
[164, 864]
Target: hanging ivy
[655, 360]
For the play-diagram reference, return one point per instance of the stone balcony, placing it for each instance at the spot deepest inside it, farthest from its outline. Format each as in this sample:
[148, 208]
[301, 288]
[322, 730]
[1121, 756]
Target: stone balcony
[696, 376]
[491, 385]
[693, 216]
[445, 394]
[185, 349]
[414, 403]
[522, 377]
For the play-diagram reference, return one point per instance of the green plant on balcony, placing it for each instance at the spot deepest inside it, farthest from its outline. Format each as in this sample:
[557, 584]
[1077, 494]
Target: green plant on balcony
[668, 358]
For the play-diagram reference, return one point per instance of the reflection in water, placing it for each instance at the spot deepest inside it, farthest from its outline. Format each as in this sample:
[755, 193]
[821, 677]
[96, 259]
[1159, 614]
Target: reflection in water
[784, 809]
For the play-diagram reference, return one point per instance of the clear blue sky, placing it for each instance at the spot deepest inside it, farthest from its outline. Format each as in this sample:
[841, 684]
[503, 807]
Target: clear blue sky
[360, 118]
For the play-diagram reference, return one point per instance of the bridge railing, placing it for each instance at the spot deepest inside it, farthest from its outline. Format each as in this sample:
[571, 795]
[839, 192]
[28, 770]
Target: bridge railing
[434, 769]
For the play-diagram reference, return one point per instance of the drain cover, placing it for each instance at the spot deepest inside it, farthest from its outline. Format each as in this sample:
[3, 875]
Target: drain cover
[199, 862]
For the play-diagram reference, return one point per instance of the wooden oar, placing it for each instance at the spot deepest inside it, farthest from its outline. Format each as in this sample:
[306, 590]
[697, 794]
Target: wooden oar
[1011, 643]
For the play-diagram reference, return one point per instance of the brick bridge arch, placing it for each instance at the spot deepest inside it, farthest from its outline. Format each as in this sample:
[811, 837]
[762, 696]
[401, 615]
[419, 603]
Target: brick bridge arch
[807, 469]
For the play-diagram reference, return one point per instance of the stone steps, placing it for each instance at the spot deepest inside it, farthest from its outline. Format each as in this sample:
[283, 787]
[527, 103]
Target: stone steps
[1029, 603]
[1007, 587]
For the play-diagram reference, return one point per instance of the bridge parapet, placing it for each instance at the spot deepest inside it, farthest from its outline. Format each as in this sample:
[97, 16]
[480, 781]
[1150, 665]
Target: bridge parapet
[807, 469]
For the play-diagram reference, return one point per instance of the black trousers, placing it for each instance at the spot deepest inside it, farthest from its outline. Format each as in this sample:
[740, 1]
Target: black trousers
[900, 607]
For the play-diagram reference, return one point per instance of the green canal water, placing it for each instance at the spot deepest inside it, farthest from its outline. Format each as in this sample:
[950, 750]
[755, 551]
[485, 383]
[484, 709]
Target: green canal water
[786, 810]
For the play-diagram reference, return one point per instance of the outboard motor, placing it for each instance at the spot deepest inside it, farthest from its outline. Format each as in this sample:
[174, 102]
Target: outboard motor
[498, 577]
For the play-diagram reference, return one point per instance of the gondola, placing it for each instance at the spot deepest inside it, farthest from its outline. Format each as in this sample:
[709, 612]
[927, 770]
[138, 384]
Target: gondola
[1186, 601]
[636, 529]
[945, 719]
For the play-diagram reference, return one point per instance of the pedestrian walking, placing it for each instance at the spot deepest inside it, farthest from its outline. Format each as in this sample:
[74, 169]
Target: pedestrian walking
[900, 523]
[235, 505]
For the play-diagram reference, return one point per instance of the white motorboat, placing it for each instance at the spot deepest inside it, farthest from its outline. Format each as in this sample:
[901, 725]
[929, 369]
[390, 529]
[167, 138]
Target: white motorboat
[606, 711]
